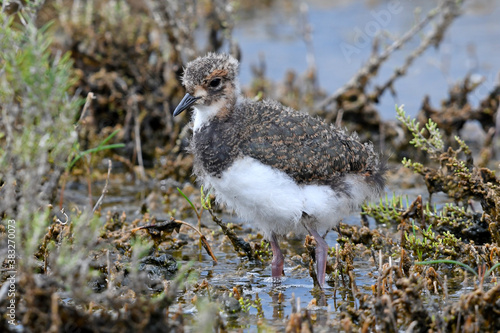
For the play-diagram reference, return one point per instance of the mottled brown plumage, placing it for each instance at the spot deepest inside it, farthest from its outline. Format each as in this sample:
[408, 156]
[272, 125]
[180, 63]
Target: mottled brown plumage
[305, 148]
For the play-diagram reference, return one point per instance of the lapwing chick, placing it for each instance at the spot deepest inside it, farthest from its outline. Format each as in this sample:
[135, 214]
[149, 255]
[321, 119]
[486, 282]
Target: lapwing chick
[277, 168]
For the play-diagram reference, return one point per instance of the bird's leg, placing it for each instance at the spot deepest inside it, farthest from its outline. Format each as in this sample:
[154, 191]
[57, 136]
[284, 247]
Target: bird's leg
[278, 259]
[321, 254]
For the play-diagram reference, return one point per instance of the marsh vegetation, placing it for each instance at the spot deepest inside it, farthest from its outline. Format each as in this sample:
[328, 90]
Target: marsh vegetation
[105, 230]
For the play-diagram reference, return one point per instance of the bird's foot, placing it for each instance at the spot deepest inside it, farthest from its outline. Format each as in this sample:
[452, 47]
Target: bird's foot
[278, 260]
[277, 268]
[321, 256]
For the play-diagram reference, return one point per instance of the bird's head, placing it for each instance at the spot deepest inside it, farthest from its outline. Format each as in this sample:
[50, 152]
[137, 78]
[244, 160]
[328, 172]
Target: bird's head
[211, 83]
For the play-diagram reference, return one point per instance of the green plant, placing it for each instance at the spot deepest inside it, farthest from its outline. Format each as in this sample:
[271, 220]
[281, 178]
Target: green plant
[386, 210]
[433, 143]
[456, 174]
[77, 155]
[262, 250]
[482, 274]
[246, 303]
[205, 204]
[36, 125]
[440, 230]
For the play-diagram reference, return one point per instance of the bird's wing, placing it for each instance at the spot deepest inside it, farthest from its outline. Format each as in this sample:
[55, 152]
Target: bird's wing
[306, 148]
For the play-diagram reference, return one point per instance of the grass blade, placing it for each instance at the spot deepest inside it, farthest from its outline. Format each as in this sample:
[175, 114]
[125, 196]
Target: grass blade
[447, 261]
[185, 197]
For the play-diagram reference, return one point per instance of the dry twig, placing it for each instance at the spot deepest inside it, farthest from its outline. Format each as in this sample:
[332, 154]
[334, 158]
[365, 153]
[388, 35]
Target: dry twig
[105, 188]
[238, 243]
[137, 135]
[450, 12]
[170, 226]
[88, 101]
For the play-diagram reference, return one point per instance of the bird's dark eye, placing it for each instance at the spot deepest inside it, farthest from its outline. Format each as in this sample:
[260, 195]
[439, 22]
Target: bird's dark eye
[215, 82]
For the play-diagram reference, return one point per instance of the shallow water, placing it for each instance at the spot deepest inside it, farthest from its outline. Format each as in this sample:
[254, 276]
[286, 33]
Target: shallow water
[254, 278]
[471, 45]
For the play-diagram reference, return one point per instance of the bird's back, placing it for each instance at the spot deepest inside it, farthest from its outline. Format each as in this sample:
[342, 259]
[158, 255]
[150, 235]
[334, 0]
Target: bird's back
[306, 148]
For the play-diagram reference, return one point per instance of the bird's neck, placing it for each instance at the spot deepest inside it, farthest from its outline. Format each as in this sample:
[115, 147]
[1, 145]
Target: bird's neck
[203, 114]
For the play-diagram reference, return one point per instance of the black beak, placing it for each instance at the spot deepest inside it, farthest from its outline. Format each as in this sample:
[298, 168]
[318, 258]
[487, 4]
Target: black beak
[186, 102]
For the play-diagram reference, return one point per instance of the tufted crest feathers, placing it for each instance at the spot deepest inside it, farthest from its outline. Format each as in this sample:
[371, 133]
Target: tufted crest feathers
[201, 68]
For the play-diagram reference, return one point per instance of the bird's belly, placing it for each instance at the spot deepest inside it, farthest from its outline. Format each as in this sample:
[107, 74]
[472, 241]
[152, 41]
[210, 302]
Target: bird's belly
[272, 200]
